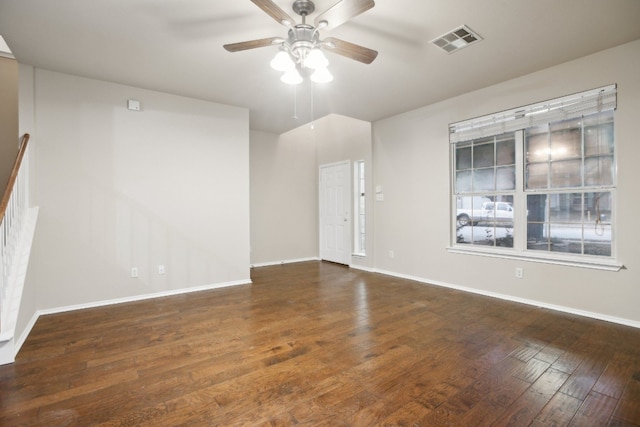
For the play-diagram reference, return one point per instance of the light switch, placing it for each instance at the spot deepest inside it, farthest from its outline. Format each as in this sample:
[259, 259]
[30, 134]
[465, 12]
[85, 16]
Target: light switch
[133, 105]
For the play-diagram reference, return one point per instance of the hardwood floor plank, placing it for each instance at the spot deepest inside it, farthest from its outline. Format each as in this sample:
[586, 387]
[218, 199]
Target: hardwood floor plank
[316, 343]
[596, 410]
[559, 411]
[628, 409]
[523, 411]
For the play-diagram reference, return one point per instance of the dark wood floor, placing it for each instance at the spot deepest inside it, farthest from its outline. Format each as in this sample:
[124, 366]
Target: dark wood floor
[320, 344]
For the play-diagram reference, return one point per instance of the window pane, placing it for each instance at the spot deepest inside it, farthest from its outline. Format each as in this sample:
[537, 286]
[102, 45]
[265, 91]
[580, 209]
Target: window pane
[566, 139]
[565, 207]
[566, 238]
[577, 223]
[598, 171]
[483, 180]
[469, 209]
[598, 134]
[485, 222]
[463, 182]
[537, 175]
[537, 144]
[506, 151]
[566, 174]
[601, 245]
[537, 237]
[483, 155]
[499, 212]
[597, 207]
[506, 178]
[597, 223]
[463, 158]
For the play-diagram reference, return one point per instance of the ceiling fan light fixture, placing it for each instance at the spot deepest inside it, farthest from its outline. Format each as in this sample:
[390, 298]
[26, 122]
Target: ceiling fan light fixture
[282, 61]
[316, 60]
[321, 75]
[302, 50]
[291, 77]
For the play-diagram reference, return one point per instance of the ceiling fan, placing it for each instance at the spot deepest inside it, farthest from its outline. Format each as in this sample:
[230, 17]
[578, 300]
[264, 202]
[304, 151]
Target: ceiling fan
[302, 49]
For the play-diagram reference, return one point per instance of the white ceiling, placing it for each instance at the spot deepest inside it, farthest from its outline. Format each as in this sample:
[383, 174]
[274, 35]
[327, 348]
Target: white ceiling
[175, 46]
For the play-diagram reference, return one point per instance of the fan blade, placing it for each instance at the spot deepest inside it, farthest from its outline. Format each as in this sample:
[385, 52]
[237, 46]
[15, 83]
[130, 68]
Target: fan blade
[350, 50]
[272, 9]
[252, 44]
[342, 11]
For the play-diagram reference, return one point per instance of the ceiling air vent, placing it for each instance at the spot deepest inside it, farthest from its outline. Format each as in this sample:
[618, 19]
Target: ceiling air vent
[457, 39]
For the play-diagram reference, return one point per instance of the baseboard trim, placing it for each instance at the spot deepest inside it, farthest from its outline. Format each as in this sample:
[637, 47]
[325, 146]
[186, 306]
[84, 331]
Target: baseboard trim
[362, 267]
[26, 332]
[38, 313]
[560, 308]
[282, 262]
[143, 297]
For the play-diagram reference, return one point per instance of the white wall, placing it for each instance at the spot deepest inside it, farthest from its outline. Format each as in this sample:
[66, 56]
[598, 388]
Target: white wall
[343, 138]
[119, 189]
[283, 198]
[284, 185]
[411, 162]
[28, 302]
[9, 137]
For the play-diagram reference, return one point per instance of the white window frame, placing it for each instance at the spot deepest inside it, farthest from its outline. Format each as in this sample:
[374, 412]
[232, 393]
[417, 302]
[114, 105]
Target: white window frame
[517, 120]
[359, 209]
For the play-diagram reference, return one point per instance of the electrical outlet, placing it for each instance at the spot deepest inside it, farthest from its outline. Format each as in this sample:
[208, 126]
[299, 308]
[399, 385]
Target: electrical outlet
[519, 272]
[134, 272]
[391, 254]
[161, 269]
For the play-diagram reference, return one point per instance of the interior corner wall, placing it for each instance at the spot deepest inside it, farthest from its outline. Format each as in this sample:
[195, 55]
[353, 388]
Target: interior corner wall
[411, 155]
[283, 198]
[9, 137]
[167, 185]
[341, 138]
[284, 185]
[28, 302]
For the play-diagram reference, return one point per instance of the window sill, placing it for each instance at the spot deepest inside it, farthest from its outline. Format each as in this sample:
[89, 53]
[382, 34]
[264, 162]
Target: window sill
[593, 263]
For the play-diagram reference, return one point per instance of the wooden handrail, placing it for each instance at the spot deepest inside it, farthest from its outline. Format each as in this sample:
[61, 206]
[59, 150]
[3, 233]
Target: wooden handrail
[14, 175]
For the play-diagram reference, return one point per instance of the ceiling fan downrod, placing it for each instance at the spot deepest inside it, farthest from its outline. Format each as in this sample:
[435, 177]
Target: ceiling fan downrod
[303, 8]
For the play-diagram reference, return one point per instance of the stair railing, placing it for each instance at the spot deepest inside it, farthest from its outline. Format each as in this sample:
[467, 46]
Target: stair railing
[13, 207]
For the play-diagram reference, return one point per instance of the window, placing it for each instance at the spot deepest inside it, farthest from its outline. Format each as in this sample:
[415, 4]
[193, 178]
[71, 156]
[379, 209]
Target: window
[359, 233]
[539, 181]
[485, 184]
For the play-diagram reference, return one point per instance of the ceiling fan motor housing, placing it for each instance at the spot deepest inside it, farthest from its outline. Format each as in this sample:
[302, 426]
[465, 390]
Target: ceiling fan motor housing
[302, 38]
[303, 7]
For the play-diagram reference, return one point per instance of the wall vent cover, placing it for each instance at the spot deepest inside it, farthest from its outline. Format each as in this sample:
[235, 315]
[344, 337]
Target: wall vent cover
[455, 40]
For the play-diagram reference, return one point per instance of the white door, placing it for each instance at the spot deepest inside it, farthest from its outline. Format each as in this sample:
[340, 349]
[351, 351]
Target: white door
[335, 212]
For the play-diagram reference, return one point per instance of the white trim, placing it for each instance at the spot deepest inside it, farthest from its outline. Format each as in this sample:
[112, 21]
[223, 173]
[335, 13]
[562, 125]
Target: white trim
[143, 297]
[362, 267]
[560, 308]
[25, 334]
[359, 167]
[584, 261]
[287, 261]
